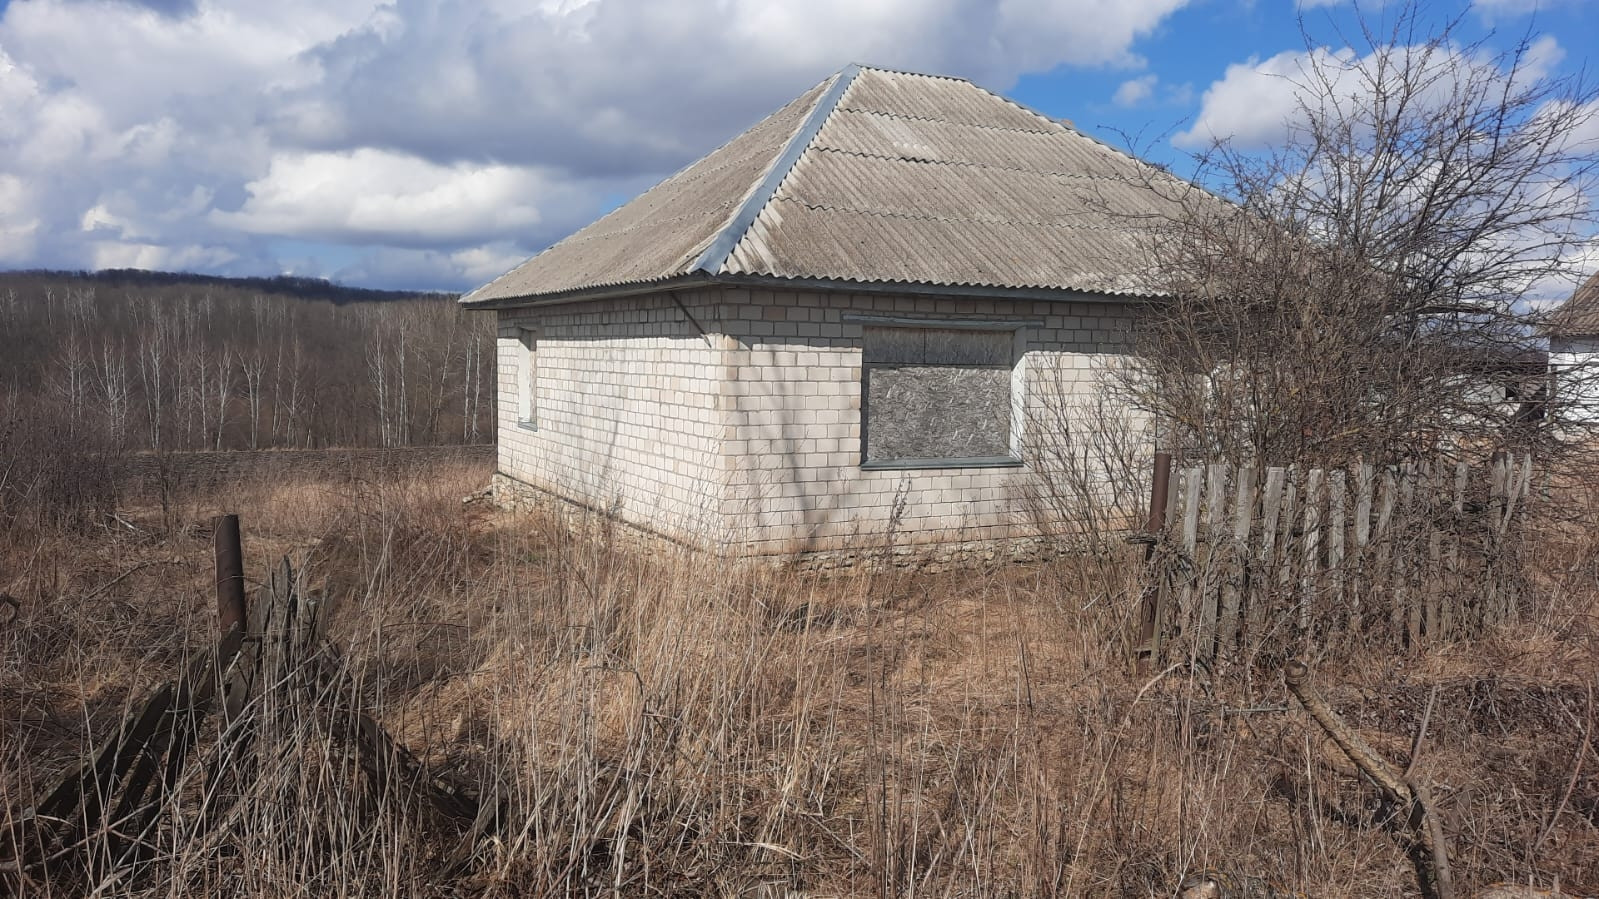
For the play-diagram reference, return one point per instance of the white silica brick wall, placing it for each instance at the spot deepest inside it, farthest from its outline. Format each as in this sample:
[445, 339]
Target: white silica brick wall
[626, 417]
[750, 435]
[795, 478]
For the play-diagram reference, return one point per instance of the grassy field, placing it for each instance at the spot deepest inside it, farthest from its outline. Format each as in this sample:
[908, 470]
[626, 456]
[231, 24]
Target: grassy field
[654, 725]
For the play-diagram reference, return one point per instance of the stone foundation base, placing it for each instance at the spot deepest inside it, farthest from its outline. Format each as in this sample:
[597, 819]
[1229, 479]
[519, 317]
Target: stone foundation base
[517, 496]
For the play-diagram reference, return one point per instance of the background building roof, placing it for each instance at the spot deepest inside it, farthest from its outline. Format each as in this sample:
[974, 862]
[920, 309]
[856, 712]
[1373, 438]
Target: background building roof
[877, 177]
[1580, 314]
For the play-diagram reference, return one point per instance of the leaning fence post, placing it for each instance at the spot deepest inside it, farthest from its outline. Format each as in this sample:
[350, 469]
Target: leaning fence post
[1154, 592]
[230, 572]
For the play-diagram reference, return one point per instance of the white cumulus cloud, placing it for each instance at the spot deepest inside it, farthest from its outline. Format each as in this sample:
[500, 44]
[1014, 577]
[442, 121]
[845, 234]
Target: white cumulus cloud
[1134, 91]
[1257, 103]
[442, 137]
[382, 196]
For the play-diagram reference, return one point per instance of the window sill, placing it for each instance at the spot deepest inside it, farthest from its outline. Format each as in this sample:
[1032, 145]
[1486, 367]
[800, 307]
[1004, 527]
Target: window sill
[527, 426]
[910, 464]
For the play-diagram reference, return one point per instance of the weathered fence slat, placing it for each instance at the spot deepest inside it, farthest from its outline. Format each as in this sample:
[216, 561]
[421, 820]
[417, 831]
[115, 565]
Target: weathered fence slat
[1215, 557]
[1337, 487]
[1290, 514]
[1271, 504]
[1308, 580]
[1383, 535]
[1432, 583]
[1361, 557]
[1191, 488]
[1405, 608]
[1454, 591]
[1238, 552]
[1498, 503]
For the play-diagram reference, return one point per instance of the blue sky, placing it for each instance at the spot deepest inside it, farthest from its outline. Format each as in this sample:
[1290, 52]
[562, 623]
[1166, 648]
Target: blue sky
[436, 143]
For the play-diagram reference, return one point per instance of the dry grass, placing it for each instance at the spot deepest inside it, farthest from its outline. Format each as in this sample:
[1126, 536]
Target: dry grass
[655, 725]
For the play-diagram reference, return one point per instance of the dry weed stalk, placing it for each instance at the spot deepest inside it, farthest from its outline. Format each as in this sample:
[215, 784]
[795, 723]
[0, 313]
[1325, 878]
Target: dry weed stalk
[646, 724]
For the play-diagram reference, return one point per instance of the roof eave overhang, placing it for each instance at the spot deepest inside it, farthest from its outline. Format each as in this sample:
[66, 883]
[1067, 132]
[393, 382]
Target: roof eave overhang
[588, 294]
[1570, 334]
[832, 285]
[914, 288]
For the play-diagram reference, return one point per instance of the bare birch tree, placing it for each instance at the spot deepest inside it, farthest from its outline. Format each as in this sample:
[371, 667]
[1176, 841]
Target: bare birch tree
[114, 391]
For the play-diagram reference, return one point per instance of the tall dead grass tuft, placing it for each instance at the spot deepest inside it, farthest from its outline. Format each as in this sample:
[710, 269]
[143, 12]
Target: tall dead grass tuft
[644, 720]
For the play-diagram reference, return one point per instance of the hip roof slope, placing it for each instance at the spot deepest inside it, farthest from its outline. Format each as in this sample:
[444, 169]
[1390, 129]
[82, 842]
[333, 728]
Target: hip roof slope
[876, 176]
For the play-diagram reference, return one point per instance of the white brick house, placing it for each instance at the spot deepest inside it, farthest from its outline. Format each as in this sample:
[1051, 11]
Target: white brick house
[842, 321]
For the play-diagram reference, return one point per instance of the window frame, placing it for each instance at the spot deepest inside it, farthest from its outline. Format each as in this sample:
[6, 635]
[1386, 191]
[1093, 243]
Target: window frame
[527, 370]
[1017, 328]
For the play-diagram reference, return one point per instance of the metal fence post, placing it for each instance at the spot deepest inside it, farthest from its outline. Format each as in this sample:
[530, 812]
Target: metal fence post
[230, 572]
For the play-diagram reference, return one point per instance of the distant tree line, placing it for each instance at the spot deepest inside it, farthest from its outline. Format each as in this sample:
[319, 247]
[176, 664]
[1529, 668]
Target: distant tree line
[141, 361]
[286, 285]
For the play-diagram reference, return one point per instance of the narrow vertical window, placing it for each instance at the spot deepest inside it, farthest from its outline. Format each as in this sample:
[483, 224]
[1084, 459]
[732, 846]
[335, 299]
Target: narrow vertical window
[527, 367]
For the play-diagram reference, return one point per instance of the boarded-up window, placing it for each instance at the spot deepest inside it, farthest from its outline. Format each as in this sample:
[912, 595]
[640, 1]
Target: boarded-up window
[936, 395]
[527, 377]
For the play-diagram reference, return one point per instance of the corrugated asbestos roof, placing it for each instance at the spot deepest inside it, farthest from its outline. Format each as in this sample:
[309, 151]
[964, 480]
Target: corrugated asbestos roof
[876, 176]
[1578, 316]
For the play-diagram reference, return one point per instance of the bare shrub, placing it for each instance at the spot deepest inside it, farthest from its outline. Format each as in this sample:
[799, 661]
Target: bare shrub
[1362, 288]
[51, 473]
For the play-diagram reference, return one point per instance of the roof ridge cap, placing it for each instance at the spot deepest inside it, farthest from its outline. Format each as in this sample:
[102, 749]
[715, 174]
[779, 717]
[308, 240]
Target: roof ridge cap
[912, 73]
[727, 238]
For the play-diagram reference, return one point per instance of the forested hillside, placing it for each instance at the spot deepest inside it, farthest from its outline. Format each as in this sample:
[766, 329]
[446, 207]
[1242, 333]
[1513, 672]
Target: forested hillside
[134, 361]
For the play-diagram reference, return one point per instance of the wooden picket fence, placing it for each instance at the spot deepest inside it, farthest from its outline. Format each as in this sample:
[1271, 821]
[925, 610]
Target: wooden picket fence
[1254, 560]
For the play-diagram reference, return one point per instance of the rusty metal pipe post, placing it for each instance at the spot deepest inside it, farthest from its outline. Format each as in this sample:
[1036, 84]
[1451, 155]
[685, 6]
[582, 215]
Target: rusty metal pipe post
[1147, 618]
[230, 572]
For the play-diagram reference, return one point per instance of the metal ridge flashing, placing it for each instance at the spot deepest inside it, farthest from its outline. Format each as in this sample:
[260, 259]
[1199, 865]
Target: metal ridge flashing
[715, 255]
